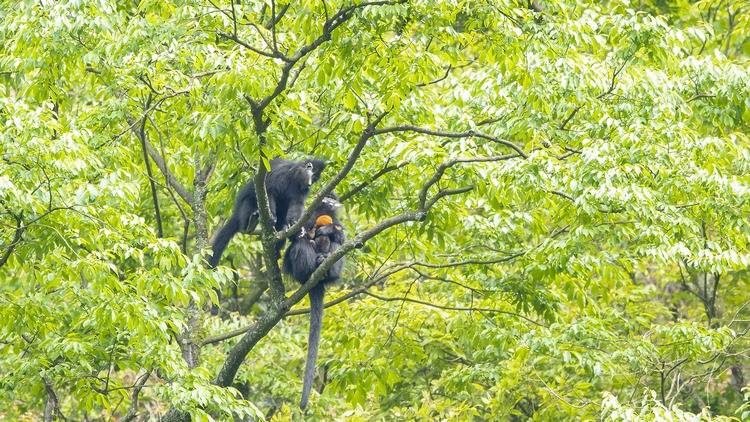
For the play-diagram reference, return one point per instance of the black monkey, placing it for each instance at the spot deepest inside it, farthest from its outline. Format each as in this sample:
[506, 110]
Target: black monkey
[322, 235]
[287, 185]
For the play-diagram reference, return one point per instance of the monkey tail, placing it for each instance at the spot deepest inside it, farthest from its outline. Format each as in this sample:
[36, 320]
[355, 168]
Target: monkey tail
[222, 240]
[313, 340]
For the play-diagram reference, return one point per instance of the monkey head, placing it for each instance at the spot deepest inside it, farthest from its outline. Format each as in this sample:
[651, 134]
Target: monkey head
[314, 168]
[330, 205]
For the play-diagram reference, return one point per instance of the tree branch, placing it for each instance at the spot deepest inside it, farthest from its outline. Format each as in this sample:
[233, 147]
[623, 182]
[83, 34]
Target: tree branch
[276, 18]
[137, 387]
[132, 122]
[171, 179]
[17, 235]
[447, 192]
[258, 330]
[261, 124]
[235, 38]
[267, 321]
[366, 285]
[453, 135]
[351, 160]
[141, 134]
[355, 190]
[162, 166]
[21, 227]
[52, 405]
[448, 164]
[612, 84]
[238, 332]
[445, 76]
[454, 308]
[342, 16]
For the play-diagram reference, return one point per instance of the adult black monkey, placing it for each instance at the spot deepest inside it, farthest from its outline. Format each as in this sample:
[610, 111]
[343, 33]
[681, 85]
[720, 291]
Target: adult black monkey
[321, 235]
[287, 184]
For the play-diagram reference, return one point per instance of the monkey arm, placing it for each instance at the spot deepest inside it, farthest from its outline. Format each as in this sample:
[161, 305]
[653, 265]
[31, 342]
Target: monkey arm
[295, 210]
[334, 273]
[334, 232]
[327, 230]
[272, 207]
[338, 236]
[337, 239]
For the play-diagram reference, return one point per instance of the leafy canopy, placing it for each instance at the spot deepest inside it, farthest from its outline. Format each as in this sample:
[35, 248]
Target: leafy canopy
[552, 208]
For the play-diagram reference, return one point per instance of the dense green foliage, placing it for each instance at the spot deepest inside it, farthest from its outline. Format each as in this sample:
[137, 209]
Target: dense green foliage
[574, 182]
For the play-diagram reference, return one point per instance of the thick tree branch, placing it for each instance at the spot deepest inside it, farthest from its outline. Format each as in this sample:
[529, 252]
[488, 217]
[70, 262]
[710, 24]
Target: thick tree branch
[268, 239]
[52, 405]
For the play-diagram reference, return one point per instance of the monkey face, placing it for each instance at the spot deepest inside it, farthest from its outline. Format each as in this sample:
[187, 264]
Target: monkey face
[317, 168]
[309, 172]
[331, 202]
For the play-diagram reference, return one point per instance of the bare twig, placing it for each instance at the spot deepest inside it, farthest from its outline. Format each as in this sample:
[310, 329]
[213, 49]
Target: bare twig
[445, 76]
[256, 50]
[609, 90]
[137, 387]
[454, 135]
[453, 308]
[450, 163]
[355, 190]
[133, 122]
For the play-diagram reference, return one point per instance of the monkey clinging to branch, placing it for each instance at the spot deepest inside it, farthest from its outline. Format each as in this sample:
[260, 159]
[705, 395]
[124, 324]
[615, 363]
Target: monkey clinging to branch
[287, 184]
[322, 235]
